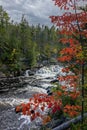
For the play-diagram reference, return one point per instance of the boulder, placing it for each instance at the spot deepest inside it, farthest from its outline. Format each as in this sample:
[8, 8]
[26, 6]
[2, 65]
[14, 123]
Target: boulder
[2, 75]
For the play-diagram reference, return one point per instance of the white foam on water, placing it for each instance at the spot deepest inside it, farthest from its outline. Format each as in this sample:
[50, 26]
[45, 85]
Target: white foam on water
[36, 89]
[26, 120]
[49, 71]
[12, 101]
[46, 85]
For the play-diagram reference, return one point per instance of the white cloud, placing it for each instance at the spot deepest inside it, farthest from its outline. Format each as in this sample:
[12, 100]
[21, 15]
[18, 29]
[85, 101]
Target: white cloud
[36, 11]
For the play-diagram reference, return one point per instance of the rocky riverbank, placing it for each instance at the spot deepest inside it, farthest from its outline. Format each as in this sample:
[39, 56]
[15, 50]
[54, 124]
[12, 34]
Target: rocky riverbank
[7, 83]
[13, 82]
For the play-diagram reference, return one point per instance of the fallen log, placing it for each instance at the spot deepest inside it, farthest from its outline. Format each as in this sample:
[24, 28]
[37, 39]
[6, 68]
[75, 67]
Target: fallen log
[67, 124]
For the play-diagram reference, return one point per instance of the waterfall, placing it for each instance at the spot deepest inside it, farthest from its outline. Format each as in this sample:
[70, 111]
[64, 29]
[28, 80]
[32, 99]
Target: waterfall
[40, 82]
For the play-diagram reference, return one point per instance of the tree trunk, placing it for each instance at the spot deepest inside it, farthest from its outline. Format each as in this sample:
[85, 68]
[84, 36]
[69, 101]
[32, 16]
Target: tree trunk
[67, 124]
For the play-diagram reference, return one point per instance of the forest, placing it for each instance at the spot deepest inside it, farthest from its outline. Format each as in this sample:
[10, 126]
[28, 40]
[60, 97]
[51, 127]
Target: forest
[23, 46]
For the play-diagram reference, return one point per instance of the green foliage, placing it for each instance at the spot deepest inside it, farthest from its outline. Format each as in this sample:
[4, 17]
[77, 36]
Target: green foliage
[32, 44]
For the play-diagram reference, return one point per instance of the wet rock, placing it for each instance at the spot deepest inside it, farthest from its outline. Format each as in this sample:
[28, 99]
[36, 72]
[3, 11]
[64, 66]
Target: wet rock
[54, 81]
[11, 83]
[2, 75]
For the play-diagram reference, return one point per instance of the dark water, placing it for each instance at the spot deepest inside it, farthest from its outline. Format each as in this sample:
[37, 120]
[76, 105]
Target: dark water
[9, 120]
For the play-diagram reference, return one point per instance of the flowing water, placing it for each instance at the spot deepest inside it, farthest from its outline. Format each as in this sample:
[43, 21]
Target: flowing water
[9, 120]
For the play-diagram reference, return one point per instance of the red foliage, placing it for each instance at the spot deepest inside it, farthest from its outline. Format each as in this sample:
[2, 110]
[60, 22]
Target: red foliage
[71, 26]
[72, 110]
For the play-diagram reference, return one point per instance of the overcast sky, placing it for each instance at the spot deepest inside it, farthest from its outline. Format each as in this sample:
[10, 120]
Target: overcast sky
[36, 11]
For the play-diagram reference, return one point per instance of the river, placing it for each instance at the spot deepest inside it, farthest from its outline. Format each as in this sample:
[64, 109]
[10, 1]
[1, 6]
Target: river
[9, 120]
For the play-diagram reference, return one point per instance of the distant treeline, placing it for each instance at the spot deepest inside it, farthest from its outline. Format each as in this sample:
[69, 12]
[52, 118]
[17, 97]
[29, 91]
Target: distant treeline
[22, 45]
